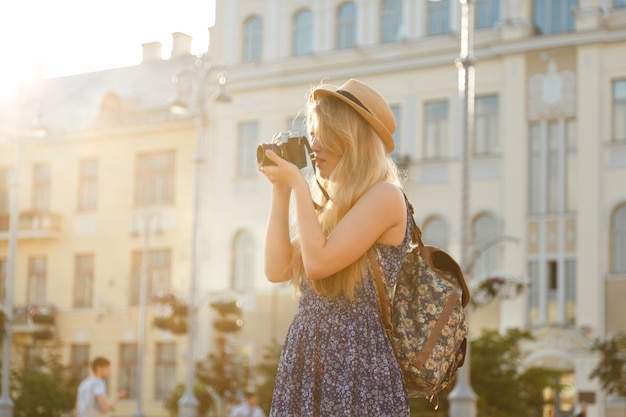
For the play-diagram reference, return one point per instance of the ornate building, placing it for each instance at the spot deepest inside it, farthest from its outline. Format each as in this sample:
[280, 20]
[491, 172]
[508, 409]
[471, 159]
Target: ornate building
[548, 159]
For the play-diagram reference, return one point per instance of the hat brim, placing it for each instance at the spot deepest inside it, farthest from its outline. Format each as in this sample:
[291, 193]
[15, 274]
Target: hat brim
[378, 127]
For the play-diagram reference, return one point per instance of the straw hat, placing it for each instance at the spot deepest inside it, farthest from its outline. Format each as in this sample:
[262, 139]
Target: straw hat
[369, 104]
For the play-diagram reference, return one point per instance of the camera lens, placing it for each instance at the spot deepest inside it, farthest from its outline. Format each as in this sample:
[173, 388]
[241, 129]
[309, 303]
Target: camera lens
[261, 158]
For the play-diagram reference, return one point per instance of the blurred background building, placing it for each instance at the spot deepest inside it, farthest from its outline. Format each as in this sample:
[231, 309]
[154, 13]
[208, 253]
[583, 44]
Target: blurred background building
[112, 183]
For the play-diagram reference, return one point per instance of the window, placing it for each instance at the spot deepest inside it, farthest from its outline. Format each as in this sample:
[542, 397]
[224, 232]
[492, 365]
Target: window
[243, 261]
[165, 370]
[158, 270]
[303, 33]
[619, 3]
[552, 297]
[618, 240]
[5, 192]
[487, 13]
[554, 16]
[128, 369]
[248, 133]
[83, 280]
[391, 24]
[79, 362]
[438, 17]
[485, 229]
[88, 185]
[42, 183]
[36, 287]
[435, 233]
[486, 134]
[619, 111]
[436, 130]
[154, 179]
[3, 280]
[552, 166]
[346, 26]
[252, 39]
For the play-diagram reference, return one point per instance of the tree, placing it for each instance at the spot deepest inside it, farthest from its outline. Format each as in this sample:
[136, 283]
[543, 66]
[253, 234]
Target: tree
[611, 369]
[44, 389]
[267, 371]
[502, 390]
[223, 374]
[205, 402]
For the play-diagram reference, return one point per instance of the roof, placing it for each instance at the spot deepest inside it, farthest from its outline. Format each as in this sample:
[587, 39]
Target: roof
[132, 95]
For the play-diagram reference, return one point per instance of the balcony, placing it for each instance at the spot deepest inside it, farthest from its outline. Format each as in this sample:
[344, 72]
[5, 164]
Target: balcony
[32, 225]
[38, 320]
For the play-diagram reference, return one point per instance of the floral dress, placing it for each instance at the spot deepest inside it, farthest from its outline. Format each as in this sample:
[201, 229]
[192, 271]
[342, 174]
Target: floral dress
[337, 360]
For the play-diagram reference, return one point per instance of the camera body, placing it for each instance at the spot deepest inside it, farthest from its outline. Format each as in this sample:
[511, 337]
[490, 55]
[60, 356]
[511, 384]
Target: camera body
[292, 147]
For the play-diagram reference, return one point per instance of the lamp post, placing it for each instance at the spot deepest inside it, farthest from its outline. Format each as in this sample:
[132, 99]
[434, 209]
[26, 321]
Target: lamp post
[6, 404]
[141, 226]
[463, 398]
[200, 95]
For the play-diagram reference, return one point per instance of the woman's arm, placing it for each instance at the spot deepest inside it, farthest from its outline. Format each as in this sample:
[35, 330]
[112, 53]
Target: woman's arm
[278, 248]
[378, 216]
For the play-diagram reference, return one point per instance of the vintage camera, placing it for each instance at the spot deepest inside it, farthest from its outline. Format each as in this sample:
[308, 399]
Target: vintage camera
[291, 146]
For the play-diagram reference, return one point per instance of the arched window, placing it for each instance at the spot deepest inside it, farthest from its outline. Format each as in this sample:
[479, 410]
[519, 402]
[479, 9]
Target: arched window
[391, 24]
[303, 32]
[243, 261]
[484, 231]
[438, 17]
[252, 39]
[346, 26]
[435, 233]
[618, 237]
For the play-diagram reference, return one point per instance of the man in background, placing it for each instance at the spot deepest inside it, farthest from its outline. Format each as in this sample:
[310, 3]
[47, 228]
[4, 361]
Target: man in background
[91, 397]
[249, 408]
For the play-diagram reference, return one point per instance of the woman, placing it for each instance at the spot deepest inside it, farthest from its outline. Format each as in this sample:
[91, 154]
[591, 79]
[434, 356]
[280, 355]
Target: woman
[337, 360]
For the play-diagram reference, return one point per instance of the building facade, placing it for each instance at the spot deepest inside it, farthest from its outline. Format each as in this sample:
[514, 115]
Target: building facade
[548, 155]
[113, 181]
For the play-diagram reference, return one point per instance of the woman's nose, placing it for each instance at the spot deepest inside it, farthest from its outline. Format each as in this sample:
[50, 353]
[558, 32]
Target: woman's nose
[315, 145]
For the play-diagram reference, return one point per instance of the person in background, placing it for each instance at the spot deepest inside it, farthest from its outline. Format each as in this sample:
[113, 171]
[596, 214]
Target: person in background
[91, 396]
[248, 408]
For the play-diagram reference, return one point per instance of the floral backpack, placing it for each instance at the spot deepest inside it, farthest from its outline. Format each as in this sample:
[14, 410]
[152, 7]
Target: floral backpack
[423, 316]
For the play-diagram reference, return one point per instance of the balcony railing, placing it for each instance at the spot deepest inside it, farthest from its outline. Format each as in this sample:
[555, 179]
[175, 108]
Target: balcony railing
[32, 225]
[38, 320]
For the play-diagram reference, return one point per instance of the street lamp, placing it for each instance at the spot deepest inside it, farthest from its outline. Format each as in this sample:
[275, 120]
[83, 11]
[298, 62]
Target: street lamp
[141, 226]
[6, 404]
[200, 96]
[463, 398]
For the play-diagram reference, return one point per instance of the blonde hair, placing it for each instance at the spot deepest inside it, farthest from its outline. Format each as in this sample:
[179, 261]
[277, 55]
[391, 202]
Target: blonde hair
[363, 163]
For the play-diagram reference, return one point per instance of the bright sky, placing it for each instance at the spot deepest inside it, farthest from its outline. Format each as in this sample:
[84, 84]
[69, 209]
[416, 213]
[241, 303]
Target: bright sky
[77, 36]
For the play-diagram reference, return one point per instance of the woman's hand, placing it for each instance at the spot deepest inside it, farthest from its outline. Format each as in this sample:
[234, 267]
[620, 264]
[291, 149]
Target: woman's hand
[283, 174]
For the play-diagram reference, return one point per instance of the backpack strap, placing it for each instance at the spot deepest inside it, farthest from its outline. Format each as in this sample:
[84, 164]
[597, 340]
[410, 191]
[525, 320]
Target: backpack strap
[437, 257]
[381, 293]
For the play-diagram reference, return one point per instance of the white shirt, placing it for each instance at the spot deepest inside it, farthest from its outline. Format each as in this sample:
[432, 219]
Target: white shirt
[244, 410]
[88, 390]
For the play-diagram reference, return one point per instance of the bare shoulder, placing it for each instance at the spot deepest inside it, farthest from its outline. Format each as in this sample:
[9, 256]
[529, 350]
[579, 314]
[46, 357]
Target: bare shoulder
[386, 194]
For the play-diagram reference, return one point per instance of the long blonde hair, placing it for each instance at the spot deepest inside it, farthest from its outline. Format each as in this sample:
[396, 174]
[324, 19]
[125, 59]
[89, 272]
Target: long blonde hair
[363, 163]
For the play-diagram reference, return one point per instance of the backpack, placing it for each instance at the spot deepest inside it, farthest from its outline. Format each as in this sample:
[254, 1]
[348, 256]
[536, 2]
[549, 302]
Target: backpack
[424, 317]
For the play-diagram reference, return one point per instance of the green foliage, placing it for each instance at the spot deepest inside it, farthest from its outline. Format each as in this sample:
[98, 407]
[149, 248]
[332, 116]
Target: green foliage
[229, 315]
[171, 313]
[45, 389]
[226, 371]
[267, 371]
[502, 390]
[205, 402]
[611, 369]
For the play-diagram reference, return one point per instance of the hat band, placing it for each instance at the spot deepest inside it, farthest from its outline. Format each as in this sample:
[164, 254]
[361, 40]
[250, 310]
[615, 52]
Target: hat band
[350, 97]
